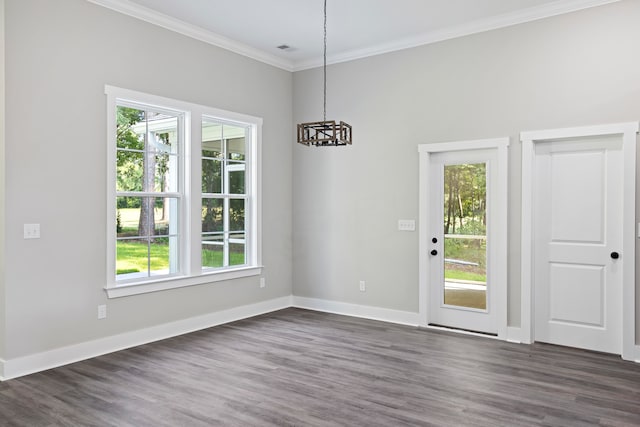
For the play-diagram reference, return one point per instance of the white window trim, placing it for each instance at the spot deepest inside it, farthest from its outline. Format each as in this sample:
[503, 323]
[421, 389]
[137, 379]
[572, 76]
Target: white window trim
[191, 266]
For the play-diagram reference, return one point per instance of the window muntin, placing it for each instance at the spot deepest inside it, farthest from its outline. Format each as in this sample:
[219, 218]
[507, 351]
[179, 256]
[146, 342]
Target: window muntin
[224, 196]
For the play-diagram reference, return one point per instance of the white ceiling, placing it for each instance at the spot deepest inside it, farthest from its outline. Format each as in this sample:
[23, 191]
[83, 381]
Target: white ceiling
[355, 28]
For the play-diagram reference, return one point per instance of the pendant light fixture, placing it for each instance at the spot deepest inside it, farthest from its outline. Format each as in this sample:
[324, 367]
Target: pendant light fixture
[326, 133]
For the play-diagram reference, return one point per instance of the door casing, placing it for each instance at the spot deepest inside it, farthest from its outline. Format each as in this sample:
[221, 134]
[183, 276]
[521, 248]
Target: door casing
[500, 217]
[627, 132]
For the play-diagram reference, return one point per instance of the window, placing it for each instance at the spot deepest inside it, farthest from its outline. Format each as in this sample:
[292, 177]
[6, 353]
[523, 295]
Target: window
[148, 191]
[223, 194]
[182, 193]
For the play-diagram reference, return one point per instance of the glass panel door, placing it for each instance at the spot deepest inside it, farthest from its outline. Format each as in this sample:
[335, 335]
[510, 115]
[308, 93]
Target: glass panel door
[463, 246]
[465, 235]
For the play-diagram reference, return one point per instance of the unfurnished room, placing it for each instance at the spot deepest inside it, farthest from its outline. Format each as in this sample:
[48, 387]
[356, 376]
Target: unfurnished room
[319, 213]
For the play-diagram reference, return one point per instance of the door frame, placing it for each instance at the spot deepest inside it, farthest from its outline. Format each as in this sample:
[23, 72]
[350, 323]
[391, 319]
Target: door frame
[500, 222]
[627, 132]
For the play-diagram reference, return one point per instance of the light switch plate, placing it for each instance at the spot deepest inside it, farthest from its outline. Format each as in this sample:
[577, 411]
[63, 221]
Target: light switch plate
[406, 225]
[31, 231]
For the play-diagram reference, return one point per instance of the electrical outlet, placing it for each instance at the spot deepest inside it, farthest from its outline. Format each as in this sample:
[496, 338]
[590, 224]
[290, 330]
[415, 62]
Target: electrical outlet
[263, 282]
[363, 286]
[102, 311]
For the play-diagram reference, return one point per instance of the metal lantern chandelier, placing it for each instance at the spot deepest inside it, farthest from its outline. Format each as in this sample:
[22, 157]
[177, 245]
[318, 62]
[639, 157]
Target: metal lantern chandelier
[327, 132]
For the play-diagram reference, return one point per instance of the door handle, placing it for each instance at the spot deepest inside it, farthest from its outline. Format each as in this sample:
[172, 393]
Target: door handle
[434, 240]
[434, 252]
[615, 255]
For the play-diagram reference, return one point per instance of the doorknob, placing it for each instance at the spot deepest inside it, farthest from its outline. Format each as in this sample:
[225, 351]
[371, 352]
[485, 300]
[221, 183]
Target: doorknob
[615, 255]
[434, 252]
[434, 240]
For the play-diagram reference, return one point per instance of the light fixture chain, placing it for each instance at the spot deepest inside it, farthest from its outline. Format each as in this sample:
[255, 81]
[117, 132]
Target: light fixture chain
[324, 133]
[324, 67]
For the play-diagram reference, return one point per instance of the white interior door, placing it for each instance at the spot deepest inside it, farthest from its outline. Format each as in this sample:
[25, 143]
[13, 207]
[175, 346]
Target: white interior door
[578, 205]
[463, 244]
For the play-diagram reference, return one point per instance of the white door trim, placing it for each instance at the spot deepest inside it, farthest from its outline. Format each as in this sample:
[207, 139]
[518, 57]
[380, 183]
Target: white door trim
[425, 151]
[529, 139]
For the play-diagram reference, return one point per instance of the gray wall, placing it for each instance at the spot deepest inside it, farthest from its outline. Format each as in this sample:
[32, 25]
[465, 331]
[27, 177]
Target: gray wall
[572, 70]
[59, 56]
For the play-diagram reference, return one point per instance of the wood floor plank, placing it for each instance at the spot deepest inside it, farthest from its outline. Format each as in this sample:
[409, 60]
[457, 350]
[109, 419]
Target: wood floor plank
[303, 368]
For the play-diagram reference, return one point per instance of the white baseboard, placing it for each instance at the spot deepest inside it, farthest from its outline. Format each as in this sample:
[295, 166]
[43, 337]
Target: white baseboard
[514, 334]
[26, 365]
[355, 310]
[21, 366]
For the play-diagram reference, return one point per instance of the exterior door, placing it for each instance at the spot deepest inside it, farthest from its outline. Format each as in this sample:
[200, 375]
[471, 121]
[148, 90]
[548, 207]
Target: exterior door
[578, 205]
[463, 244]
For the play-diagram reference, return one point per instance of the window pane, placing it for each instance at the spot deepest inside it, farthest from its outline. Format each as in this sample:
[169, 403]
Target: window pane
[236, 147]
[159, 173]
[140, 171]
[147, 216]
[139, 258]
[129, 170]
[162, 132]
[212, 140]
[166, 173]
[160, 255]
[154, 167]
[212, 149]
[212, 215]
[211, 176]
[128, 216]
[236, 215]
[237, 247]
[235, 174]
[126, 119]
[165, 216]
[212, 251]
[132, 257]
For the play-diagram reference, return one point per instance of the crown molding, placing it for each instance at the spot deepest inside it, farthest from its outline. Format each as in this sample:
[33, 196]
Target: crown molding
[151, 16]
[558, 7]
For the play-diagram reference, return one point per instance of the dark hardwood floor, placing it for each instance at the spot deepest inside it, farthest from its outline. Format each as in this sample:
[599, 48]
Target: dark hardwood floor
[298, 367]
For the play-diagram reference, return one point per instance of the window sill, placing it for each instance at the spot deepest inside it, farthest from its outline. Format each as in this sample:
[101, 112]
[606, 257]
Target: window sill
[128, 289]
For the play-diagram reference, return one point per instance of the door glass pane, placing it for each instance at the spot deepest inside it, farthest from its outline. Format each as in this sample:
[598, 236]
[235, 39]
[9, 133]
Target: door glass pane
[465, 235]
